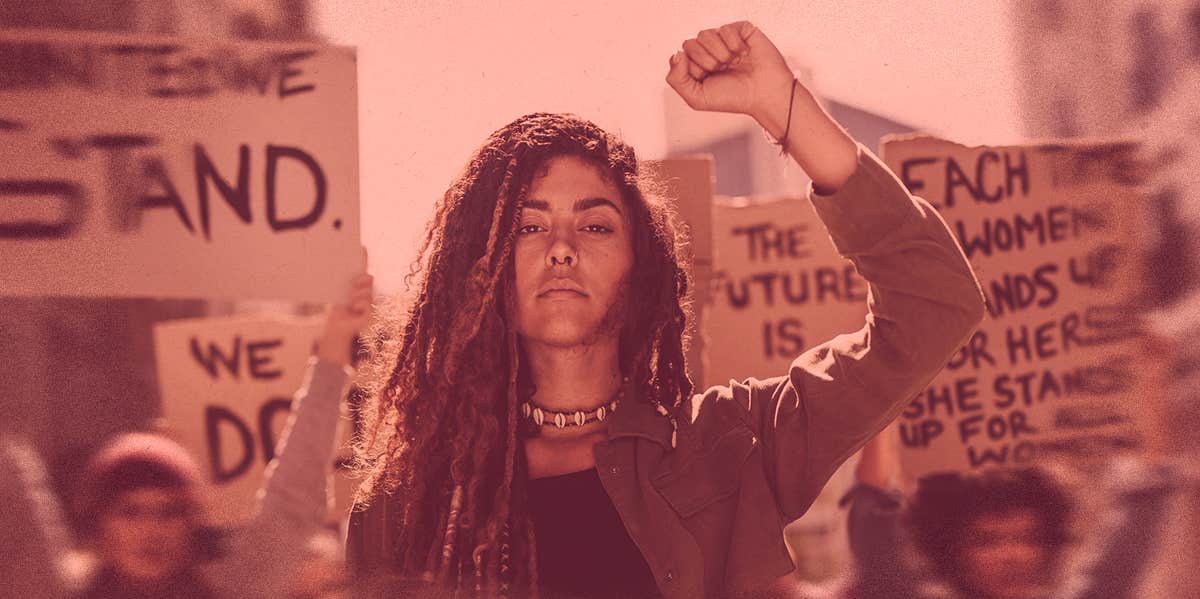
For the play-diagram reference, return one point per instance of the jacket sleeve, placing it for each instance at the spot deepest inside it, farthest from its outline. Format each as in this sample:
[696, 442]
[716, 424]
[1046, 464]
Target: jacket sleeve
[923, 302]
[294, 499]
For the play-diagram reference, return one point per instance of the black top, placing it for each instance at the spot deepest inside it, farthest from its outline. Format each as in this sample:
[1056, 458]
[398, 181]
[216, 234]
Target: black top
[583, 549]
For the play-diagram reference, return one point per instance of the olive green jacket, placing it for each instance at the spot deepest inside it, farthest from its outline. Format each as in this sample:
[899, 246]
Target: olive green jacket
[708, 514]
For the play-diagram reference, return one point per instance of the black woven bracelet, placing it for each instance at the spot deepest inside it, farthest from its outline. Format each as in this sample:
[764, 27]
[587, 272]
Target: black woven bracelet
[783, 141]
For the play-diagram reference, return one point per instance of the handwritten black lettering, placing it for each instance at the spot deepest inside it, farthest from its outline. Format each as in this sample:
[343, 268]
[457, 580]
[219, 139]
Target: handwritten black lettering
[210, 359]
[237, 198]
[11, 125]
[920, 434]
[1014, 292]
[765, 241]
[258, 361]
[214, 417]
[167, 71]
[957, 397]
[154, 174]
[820, 285]
[123, 212]
[1099, 268]
[1104, 163]
[914, 185]
[274, 154]
[271, 409]
[996, 427]
[782, 338]
[70, 195]
[995, 178]
[287, 71]
[974, 352]
[994, 235]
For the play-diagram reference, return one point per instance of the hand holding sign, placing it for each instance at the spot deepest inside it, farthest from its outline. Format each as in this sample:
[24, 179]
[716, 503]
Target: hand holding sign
[343, 322]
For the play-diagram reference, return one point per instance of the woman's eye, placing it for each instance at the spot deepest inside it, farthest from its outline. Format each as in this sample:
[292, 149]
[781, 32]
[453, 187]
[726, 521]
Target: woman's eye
[597, 229]
[529, 229]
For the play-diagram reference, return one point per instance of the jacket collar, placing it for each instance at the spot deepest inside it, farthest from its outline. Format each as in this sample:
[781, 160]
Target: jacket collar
[637, 418]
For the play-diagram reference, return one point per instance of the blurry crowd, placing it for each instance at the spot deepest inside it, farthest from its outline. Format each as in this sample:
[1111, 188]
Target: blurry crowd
[136, 524]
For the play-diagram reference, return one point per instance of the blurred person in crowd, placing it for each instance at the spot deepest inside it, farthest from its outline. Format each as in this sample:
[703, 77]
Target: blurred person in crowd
[999, 534]
[533, 429]
[141, 515]
[1174, 364]
[34, 540]
[141, 509]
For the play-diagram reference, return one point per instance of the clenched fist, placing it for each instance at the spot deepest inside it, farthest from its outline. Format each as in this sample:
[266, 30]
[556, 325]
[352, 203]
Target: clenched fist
[733, 68]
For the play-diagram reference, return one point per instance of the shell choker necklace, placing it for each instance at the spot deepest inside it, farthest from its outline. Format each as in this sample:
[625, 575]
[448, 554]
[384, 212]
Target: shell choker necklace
[543, 417]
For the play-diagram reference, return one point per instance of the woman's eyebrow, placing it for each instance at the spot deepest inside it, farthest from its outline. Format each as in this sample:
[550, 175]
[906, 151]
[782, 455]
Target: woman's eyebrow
[589, 203]
[581, 205]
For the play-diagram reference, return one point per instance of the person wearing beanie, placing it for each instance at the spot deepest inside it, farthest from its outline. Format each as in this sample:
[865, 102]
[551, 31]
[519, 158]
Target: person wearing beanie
[140, 513]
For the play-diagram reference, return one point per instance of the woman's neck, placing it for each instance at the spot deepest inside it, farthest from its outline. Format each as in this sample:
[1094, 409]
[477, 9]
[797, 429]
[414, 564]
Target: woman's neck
[574, 378]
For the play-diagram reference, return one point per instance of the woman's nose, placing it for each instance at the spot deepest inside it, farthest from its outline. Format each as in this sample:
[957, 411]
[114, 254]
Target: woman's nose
[562, 252]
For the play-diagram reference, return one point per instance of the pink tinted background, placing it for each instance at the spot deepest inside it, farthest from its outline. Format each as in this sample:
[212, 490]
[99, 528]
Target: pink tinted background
[436, 79]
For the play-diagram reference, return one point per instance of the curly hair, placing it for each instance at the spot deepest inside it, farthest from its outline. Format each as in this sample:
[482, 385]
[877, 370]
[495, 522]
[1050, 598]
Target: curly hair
[441, 436]
[946, 504]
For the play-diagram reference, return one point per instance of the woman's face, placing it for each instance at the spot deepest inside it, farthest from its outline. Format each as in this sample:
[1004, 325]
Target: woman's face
[147, 533]
[573, 252]
[1005, 557]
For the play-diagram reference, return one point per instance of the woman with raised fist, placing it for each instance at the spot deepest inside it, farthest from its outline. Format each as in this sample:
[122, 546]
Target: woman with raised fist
[532, 429]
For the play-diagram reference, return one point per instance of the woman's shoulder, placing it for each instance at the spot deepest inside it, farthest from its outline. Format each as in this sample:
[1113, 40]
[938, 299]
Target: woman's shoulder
[735, 397]
[718, 409]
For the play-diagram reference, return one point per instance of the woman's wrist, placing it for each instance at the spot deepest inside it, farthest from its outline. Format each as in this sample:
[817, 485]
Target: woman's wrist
[814, 139]
[771, 112]
[334, 349]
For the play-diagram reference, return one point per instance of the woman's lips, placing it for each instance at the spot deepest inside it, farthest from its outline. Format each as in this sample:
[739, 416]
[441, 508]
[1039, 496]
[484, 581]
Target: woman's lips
[562, 294]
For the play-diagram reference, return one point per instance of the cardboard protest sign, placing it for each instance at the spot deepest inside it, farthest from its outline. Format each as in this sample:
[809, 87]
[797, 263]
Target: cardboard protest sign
[1051, 232]
[1052, 373]
[227, 386]
[780, 287]
[164, 167]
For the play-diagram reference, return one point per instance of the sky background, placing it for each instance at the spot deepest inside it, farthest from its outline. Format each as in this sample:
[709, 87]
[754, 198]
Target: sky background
[437, 78]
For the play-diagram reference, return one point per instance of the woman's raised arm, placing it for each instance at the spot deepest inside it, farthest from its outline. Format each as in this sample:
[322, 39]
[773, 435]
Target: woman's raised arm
[923, 299]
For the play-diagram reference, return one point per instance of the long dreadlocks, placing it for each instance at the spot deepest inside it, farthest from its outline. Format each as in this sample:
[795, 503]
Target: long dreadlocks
[442, 432]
